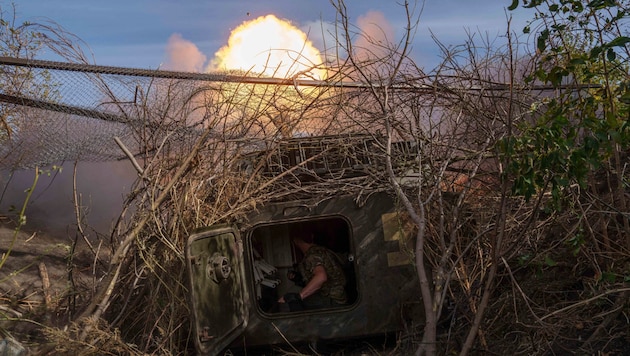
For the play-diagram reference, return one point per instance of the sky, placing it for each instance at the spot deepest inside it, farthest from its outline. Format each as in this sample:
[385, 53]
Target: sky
[136, 33]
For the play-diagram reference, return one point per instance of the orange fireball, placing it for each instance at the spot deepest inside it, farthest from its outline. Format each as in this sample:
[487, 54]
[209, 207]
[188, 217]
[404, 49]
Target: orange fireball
[271, 47]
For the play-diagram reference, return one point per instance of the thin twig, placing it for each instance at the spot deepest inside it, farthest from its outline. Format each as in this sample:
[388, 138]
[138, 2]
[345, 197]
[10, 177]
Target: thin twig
[583, 302]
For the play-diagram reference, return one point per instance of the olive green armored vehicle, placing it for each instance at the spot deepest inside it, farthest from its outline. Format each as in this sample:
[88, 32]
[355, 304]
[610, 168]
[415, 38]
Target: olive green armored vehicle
[238, 273]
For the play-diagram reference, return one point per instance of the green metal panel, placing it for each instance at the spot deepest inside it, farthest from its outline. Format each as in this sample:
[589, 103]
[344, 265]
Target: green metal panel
[218, 290]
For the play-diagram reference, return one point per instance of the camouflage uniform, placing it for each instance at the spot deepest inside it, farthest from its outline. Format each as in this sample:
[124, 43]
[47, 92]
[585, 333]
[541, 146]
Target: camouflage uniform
[335, 286]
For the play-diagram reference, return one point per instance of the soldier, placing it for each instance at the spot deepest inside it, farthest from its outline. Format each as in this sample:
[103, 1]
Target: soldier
[320, 275]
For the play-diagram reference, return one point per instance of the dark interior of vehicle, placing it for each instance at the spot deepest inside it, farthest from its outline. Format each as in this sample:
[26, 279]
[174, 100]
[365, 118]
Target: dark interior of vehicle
[273, 256]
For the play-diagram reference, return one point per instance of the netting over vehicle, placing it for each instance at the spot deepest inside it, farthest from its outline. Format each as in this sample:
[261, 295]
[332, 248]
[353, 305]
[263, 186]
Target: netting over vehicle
[52, 115]
[53, 112]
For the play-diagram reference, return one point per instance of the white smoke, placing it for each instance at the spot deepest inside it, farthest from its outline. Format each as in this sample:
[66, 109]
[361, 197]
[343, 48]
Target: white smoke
[375, 37]
[183, 55]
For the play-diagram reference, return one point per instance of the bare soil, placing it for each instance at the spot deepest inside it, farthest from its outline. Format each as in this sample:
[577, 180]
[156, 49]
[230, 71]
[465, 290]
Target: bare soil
[44, 281]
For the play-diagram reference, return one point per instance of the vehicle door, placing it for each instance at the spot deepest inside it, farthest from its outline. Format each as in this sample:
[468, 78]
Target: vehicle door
[218, 291]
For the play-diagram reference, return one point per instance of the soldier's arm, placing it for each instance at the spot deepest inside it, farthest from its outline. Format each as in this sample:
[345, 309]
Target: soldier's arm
[313, 285]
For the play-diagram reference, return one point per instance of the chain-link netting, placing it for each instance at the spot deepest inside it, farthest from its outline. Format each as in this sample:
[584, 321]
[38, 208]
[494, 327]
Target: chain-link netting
[52, 115]
[52, 112]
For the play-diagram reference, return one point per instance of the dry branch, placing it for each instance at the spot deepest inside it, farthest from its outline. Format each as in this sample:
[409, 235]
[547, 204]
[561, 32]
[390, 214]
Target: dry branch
[43, 272]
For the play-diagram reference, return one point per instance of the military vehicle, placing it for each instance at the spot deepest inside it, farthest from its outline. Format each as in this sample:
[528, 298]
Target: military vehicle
[237, 273]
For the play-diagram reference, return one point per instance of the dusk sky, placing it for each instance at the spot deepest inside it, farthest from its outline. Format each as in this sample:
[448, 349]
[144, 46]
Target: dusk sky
[137, 33]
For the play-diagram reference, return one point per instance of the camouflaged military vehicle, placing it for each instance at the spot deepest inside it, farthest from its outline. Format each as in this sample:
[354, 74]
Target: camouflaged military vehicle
[237, 273]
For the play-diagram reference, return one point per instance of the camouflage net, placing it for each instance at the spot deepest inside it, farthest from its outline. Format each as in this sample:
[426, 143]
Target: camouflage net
[54, 112]
[49, 116]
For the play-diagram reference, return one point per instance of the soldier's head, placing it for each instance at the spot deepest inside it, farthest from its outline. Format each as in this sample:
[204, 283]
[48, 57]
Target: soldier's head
[303, 240]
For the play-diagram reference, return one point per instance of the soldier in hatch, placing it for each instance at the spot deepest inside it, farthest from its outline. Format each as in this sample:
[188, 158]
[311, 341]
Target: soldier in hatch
[320, 276]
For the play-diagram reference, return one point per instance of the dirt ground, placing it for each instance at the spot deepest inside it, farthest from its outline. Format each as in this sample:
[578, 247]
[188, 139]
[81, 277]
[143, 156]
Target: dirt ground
[43, 281]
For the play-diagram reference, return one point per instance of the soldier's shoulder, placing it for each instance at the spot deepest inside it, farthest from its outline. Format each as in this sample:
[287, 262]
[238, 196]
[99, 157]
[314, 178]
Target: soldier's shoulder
[319, 249]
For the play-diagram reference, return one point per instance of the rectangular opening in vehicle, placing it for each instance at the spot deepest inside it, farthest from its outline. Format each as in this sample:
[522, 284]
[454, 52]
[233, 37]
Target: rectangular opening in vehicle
[276, 257]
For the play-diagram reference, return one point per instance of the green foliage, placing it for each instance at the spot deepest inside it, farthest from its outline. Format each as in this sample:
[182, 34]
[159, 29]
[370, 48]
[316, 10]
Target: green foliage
[21, 218]
[524, 259]
[607, 277]
[549, 262]
[576, 242]
[583, 54]
[537, 263]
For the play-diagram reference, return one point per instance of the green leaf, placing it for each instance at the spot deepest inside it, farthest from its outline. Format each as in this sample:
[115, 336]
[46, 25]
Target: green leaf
[524, 259]
[625, 98]
[532, 4]
[542, 39]
[514, 5]
[601, 4]
[611, 55]
[619, 41]
[608, 277]
[550, 262]
[577, 61]
[595, 52]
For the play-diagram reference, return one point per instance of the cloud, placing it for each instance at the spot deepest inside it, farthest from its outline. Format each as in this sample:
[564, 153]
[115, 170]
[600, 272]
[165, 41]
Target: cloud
[372, 39]
[183, 55]
[376, 35]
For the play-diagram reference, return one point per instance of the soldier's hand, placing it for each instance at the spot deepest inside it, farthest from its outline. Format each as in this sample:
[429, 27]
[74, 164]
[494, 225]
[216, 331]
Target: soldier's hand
[292, 297]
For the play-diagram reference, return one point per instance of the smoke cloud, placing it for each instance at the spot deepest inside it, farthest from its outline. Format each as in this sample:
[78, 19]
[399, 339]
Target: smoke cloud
[323, 35]
[375, 37]
[183, 55]
[101, 186]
